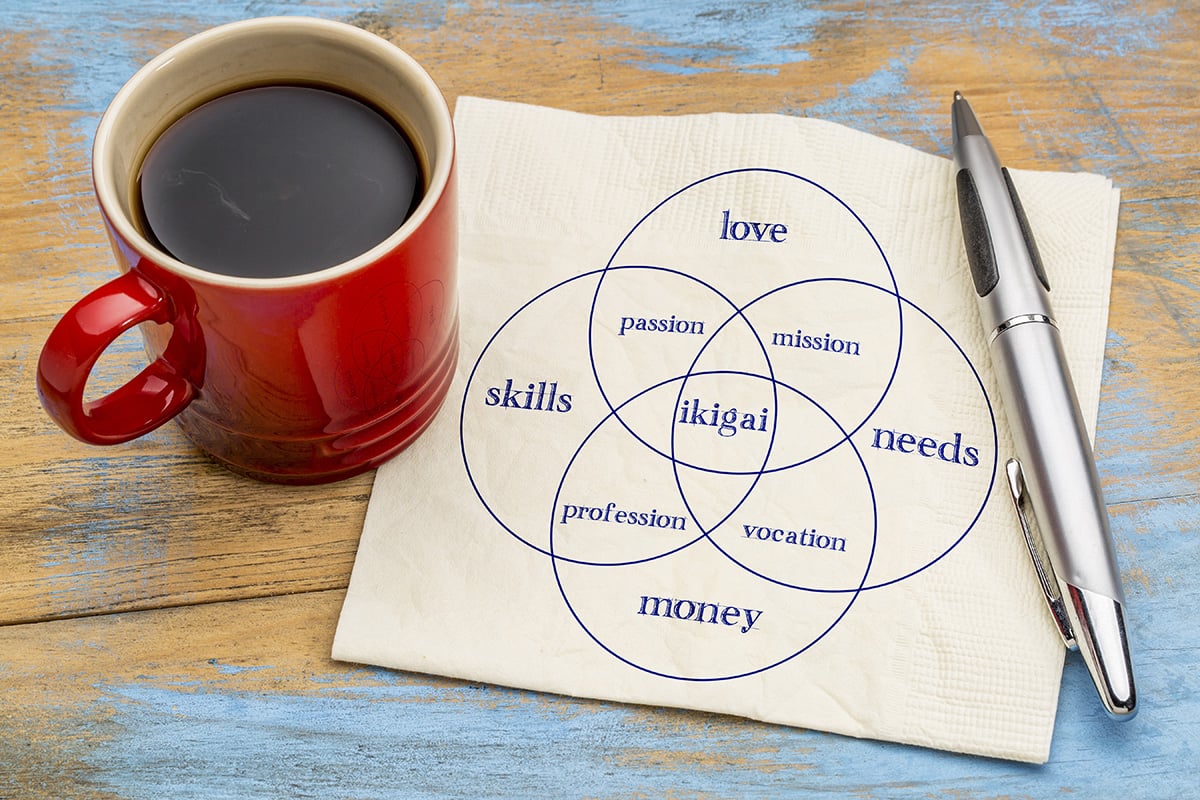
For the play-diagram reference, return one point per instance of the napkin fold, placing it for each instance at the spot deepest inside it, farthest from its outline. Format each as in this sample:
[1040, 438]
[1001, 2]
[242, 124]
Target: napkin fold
[724, 434]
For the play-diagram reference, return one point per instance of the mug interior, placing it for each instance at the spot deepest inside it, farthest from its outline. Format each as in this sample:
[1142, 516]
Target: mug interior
[265, 51]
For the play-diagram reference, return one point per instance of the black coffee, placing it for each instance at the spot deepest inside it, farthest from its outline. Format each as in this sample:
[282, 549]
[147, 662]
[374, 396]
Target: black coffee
[277, 180]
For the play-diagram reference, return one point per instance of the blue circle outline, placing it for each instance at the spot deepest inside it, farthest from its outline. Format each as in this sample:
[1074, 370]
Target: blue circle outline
[901, 302]
[895, 292]
[705, 534]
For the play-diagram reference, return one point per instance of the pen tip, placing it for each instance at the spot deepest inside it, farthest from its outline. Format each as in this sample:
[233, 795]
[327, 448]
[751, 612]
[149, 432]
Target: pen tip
[962, 119]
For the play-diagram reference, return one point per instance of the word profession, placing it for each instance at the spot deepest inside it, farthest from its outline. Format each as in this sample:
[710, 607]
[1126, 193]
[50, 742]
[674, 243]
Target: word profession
[952, 452]
[727, 422]
[544, 396]
[692, 327]
[699, 611]
[827, 343]
[746, 231]
[804, 538]
[611, 514]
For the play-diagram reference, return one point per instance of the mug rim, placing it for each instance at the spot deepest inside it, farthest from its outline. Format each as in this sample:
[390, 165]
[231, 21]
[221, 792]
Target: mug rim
[440, 164]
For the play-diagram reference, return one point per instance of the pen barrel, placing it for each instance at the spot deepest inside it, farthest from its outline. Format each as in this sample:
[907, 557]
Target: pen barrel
[1056, 463]
[1056, 456]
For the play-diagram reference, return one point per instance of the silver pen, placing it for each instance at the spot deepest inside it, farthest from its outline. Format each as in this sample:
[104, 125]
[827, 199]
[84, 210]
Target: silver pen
[1054, 472]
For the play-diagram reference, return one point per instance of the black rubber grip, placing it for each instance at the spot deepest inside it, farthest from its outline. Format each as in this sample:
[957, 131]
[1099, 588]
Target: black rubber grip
[1023, 221]
[980, 254]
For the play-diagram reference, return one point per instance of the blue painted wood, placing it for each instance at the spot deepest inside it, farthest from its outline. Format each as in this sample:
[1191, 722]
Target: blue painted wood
[396, 738]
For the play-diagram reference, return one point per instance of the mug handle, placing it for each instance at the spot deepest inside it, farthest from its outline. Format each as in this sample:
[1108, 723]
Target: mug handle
[151, 398]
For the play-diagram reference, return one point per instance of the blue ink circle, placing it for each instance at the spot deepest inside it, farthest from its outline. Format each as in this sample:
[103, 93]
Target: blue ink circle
[737, 315]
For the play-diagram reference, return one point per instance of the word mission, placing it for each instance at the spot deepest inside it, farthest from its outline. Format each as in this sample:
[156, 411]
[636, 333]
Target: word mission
[723, 440]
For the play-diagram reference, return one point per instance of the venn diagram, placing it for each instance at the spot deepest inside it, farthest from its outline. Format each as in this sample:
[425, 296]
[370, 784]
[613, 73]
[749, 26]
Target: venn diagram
[729, 434]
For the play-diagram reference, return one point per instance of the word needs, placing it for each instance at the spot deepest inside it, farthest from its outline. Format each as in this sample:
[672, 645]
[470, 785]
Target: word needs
[952, 452]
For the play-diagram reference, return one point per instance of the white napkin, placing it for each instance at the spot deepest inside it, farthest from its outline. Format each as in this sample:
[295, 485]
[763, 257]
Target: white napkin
[724, 434]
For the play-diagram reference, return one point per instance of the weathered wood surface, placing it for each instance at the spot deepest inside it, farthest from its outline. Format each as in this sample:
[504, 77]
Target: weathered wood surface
[166, 625]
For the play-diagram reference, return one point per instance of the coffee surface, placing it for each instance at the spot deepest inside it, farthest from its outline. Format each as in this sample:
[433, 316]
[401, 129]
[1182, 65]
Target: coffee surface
[276, 181]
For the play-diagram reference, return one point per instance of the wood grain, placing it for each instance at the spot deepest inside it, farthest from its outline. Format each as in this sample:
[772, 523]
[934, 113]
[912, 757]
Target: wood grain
[239, 699]
[163, 621]
[57, 252]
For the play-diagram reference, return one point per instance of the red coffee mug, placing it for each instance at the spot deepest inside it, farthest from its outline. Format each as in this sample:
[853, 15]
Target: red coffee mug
[301, 379]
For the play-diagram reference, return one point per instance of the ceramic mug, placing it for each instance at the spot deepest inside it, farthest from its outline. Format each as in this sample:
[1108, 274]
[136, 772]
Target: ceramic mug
[300, 379]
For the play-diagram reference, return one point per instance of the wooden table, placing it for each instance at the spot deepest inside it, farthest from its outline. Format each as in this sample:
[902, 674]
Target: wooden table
[165, 625]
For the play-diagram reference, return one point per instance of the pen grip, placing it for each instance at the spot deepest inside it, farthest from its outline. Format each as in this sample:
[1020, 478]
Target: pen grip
[980, 254]
[1030, 244]
[977, 235]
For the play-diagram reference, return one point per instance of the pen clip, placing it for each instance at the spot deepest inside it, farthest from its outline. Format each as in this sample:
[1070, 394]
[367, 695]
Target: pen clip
[1037, 551]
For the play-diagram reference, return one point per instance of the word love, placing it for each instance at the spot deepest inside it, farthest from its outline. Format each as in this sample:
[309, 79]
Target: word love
[746, 231]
